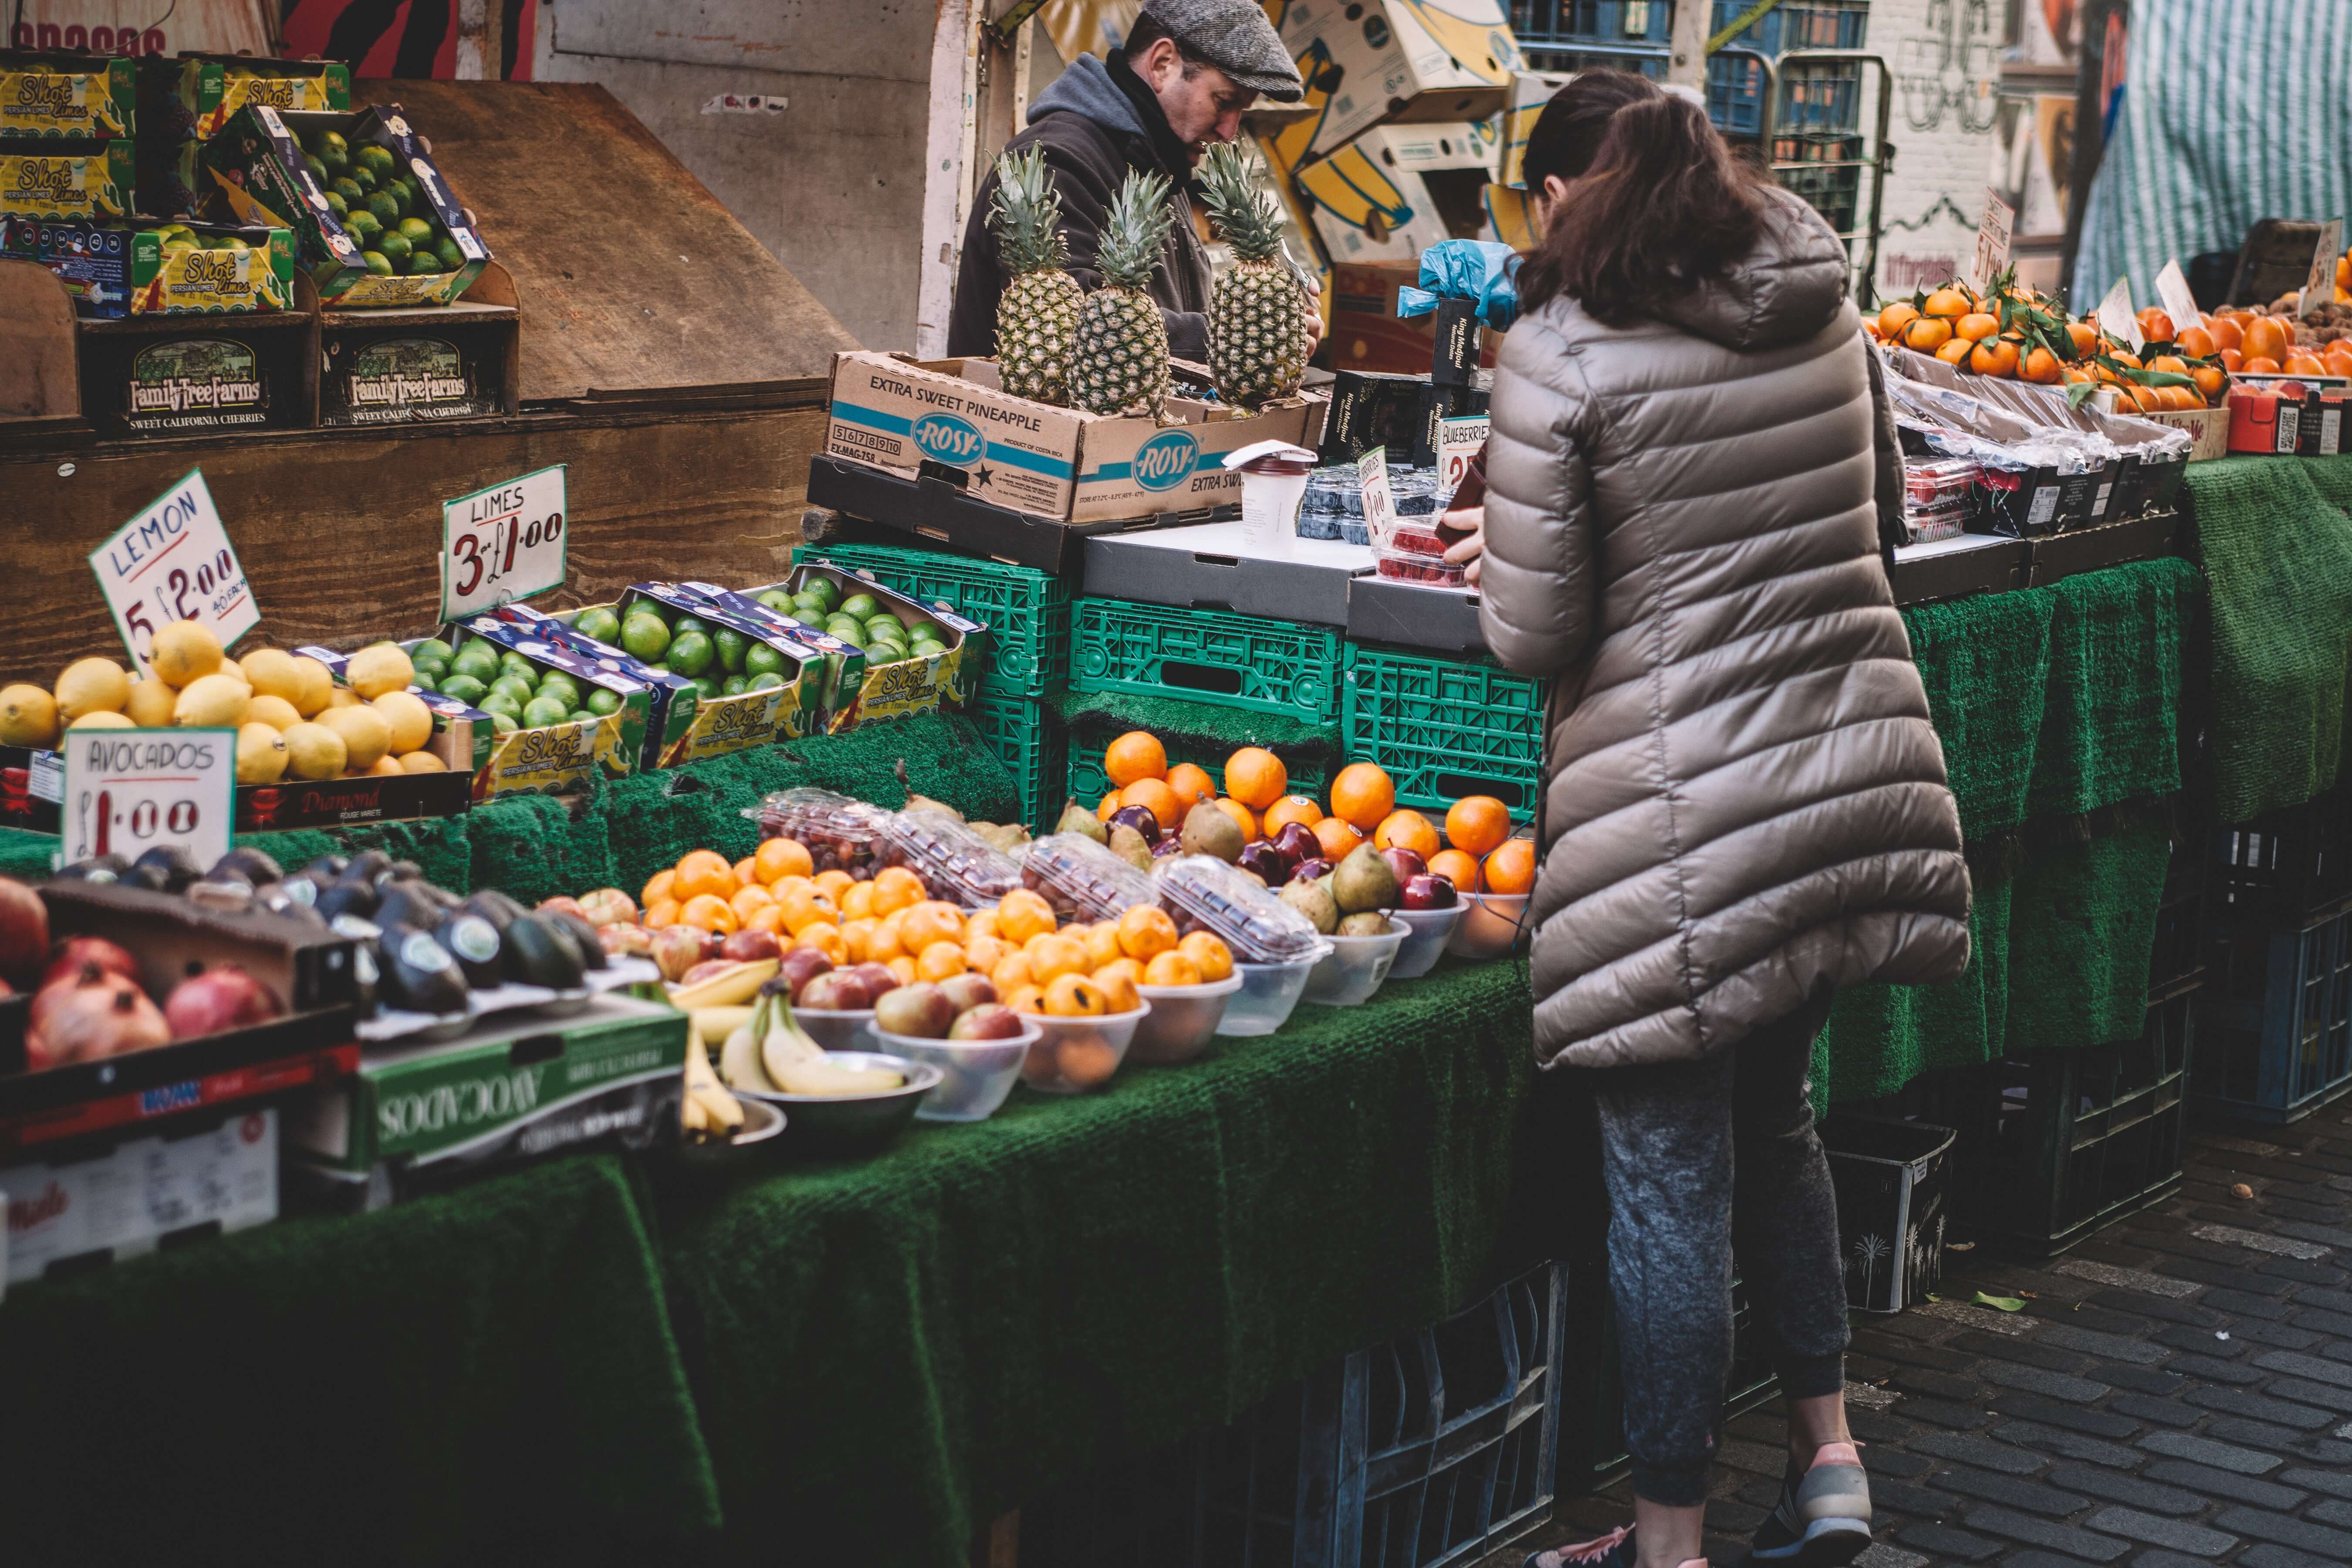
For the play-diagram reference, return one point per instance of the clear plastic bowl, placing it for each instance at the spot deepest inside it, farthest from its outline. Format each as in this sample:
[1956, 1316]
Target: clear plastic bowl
[1268, 993]
[1074, 1055]
[1356, 967]
[1427, 932]
[1490, 926]
[975, 1075]
[1181, 1020]
[846, 1029]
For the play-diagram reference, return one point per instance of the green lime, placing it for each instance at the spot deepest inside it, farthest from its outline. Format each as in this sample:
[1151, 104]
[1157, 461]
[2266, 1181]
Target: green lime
[580, 716]
[386, 207]
[503, 724]
[377, 262]
[876, 623]
[482, 645]
[515, 663]
[645, 636]
[447, 249]
[690, 653]
[476, 665]
[601, 701]
[416, 231]
[731, 645]
[423, 264]
[376, 157]
[432, 647]
[466, 688]
[881, 653]
[599, 623]
[665, 613]
[349, 189]
[771, 681]
[821, 587]
[435, 667]
[363, 177]
[706, 688]
[732, 687]
[808, 608]
[557, 684]
[542, 711]
[761, 659]
[860, 606]
[501, 702]
[337, 206]
[425, 680]
[362, 225]
[513, 686]
[393, 245]
[845, 628]
[328, 142]
[685, 624]
[658, 669]
[778, 600]
[318, 167]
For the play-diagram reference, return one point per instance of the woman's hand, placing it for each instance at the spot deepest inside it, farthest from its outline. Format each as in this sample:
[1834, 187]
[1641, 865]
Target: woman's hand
[1472, 521]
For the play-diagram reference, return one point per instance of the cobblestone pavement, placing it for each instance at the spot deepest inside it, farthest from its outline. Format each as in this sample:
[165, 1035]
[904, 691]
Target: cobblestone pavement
[2177, 1391]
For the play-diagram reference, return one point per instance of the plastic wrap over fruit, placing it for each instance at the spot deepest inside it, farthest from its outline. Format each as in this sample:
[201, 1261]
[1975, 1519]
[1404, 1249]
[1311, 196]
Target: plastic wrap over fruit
[955, 863]
[1081, 880]
[1205, 894]
[840, 834]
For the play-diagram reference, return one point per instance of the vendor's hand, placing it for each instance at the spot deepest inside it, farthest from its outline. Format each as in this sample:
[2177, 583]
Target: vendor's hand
[1471, 521]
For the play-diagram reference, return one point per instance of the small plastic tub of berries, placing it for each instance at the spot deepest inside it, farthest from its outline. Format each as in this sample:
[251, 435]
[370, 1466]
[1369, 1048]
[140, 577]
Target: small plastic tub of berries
[956, 864]
[1414, 565]
[1203, 893]
[1082, 880]
[840, 834]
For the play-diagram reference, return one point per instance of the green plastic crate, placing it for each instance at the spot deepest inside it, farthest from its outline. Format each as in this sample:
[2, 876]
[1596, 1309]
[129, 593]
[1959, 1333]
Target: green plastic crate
[1088, 782]
[1027, 612]
[1206, 655]
[1035, 746]
[1446, 728]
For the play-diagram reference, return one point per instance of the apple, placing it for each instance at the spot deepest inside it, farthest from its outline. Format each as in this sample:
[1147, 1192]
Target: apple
[223, 998]
[1297, 840]
[834, 991]
[77, 951]
[676, 949]
[1313, 870]
[799, 966]
[1426, 890]
[744, 946]
[1407, 864]
[569, 906]
[705, 970]
[608, 906]
[1268, 864]
[877, 978]
[622, 939]
[965, 991]
[989, 1021]
[918, 1011]
[1140, 819]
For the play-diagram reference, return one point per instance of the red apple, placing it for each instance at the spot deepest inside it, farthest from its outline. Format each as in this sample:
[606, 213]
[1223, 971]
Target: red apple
[1297, 840]
[624, 940]
[965, 991]
[796, 968]
[1313, 870]
[1270, 865]
[989, 1021]
[676, 949]
[746, 946]
[76, 952]
[836, 991]
[877, 978]
[1428, 891]
[223, 998]
[1407, 864]
[917, 1010]
[608, 906]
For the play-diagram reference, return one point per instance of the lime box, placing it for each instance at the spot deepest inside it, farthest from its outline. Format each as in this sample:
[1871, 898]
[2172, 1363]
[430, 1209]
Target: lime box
[669, 716]
[724, 724]
[85, 180]
[212, 88]
[125, 269]
[939, 682]
[45, 94]
[556, 757]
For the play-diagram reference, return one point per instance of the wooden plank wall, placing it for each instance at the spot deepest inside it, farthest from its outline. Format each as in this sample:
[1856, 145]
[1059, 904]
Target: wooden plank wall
[339, 531]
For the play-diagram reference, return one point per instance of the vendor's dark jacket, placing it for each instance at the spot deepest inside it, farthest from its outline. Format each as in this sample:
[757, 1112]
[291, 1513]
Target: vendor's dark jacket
[1095, 123]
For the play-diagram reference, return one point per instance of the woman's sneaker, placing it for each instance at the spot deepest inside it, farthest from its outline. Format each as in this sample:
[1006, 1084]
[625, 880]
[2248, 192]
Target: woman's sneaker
[1823, 1521]
[1614, 1549]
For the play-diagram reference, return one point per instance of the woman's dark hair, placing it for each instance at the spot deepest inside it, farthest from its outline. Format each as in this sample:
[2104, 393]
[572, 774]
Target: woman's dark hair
[1665, 205]
[1568, 132]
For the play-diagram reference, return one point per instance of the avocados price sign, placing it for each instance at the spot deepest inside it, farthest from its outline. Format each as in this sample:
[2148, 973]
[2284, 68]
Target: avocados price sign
[130, 791]
[173, 562]
[503, 543]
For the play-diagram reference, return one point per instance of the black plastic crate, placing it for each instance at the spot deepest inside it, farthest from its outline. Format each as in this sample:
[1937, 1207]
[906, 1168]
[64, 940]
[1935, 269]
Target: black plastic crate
[2054, 1144]
[2293, 866]
[2176, 963]
[1426, 1452]
[2274, 1019]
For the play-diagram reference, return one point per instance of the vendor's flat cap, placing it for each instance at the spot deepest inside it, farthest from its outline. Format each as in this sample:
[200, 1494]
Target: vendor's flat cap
[1235, 36]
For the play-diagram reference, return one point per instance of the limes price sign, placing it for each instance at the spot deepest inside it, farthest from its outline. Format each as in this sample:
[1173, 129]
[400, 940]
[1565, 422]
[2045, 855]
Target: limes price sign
[503, 543]
[173, 562]
[130, 791]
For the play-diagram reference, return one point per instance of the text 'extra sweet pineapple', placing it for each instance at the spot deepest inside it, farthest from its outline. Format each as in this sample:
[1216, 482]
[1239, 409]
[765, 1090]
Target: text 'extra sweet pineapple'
[1120, 365]
[1257, 311]
[1037, 314]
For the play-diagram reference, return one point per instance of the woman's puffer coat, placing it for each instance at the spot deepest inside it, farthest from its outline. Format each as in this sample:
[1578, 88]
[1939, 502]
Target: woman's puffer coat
[1744, 798]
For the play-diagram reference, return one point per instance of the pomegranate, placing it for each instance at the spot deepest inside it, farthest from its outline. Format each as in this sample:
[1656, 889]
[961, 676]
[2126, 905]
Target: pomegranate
[91, 1015]
[222, 997]
[24, 932]
[75, 952]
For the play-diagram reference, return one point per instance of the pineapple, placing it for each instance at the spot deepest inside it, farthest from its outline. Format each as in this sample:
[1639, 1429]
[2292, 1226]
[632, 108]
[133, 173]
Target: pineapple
[1038, 310]
[1120, 360]
[1257, 311]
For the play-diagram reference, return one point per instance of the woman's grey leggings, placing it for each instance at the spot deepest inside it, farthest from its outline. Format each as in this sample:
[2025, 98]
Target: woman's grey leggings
[1703, 1158]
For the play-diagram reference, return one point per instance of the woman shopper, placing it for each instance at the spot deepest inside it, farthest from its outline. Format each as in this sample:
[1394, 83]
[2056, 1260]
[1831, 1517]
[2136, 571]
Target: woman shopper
[1745, 805]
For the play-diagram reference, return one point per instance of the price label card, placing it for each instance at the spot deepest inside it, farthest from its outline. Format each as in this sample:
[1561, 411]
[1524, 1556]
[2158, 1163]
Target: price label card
[2172, 290]
[130, 791]
[2319, 285]
[1380, 503]
[503, 543]
[2118, 318]
[1993, 240]
[173, 562]
[1458, 441]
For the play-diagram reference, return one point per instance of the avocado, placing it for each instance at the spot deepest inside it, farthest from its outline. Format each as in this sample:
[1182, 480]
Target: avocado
[167, 869]
[494, 907]
[350, 896]
[256, 868]
[536, 955]
[474, 943]
[416, 974]
[579, 932]
[371, 863]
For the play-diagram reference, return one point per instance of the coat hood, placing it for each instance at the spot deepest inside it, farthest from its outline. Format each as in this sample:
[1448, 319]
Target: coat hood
[1788, 289]
[1085, 87]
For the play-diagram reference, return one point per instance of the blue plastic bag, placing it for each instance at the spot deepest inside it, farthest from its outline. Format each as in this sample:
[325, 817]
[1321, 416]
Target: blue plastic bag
[1478, 270]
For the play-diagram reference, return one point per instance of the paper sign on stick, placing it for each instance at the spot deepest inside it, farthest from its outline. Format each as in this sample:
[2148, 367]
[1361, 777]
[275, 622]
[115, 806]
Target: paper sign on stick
[1993, 241]
[173, 562]
[2118, 318]
[2172, 288]
[1380, 503]
[130, 791]
[503, 543]
[2319, 284]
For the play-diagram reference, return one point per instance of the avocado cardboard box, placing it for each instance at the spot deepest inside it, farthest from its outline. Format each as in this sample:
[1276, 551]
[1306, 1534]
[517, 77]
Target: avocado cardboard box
[66, 179]
[508, 1090]
[259, 166]
[951, 418]
[547, 759]
[920, 683]
[136, 268]
[51, 95]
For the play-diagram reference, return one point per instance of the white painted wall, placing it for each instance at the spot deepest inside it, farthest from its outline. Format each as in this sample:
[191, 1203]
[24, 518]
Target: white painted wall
[1945, 60]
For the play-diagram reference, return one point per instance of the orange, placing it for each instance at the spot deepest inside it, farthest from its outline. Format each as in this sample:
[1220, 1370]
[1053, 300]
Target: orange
[1994, 356]
[1209, 954]
[1511, 869]
[2171, 364]
[2077, 376]
[1127, 966]
[2154, 325]
[929, 921]
[1138, 754]
[857, 902]
[1949, 302]
[2339, 360]
[2260, 364]
[826, 938]
[1241, 814]
[2195, 343]
[2040, 366]
[1457, 868]
[1056, 956]
[857, 935]
[1075, 996]
[780, 857]
[1406, 830]
[749, 901]
[2083, 336]
[1107, 806]
[834, 883]
[1362, 795]
[1156, 797]
[1030, 946]
[1956, 352]
[1028, 999]
[746, 872]
[1336, 838]
[2344, 270]
[2301, 361]
[1145, 931]
[767, 918]
[1895, 318]
[2266, 339]
[709, 911]
[663, 913]
[979, 923]
[901, 968]
[805, 906]
[1171, 968]
[1192, 784]
[1976, 326]
[940, 960]
[658, 890]
[1290, 808]
[2120, 357]
[982, 954]
[1476, 823]
[2211, 381]
[1102, 942]
[1256, 777]
[2232, 361]
[1118, 986]
[2225, 332]
[702, 871]
[896, 889]
[1023, 914]
[1011, 973]
[1870, 328]
[1928, 334]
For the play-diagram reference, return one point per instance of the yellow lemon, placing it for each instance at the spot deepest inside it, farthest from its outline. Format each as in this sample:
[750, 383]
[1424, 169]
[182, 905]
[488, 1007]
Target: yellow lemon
[378, 668]
[343, 697]
[314, 752]
[151, 703]
[367, 734]
[92, 686]
[274, 711]
[422, 762]
[387, 767]
[411, 720]
[101, 719]
[28, 716]
[316, 688]
[274, 672]
[261, 755]
[212, 699]
[183, 651]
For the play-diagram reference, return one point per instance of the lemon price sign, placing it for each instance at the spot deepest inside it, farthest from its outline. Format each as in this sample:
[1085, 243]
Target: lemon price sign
[173, 562]
[503, 543]
[130, 791]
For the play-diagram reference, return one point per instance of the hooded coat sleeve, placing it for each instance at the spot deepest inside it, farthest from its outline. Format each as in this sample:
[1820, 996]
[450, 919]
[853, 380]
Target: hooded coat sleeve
[1537, 597]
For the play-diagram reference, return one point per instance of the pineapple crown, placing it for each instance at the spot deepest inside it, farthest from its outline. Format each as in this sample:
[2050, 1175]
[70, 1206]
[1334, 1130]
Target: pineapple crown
[1134, 230]
[1026, 215]
[1242, 215]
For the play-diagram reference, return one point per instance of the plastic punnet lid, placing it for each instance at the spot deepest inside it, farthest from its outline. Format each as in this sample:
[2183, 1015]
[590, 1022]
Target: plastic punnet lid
[839, 833]
[1081, 880]
[1204, 893]
[955, 863]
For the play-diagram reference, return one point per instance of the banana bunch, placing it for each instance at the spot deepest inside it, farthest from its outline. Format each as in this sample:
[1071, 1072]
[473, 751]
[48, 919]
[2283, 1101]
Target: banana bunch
[771, 1054]
[709, 1112]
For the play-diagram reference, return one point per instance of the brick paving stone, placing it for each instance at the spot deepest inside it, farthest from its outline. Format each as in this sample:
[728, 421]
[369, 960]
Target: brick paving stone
[2164, 1382]
[2320, 1320]
[2288, 1530]
[2260, 1241]
[2214, 1369]
[2263, 1435]
[2113, 1347]
[1935, 1385]
[2232, 1279]
[1944, 1544]
[1881, 1460]
[2075, 1445]
[2252, 1305]
[1889, 1347]
[2041, 1533]
[2339, 1513]
[2123, 1322]
[2335, 1483]
[2259, 1407]
[2205, 1451]
[2304, 1273]
[2268, 1556]
[2008, 1491]
[1983, 1317]
[2031, 1352]
[2339, 1301]
[2156, 1557]
[2032, 1407]
[2033, 1380]
[1753, 1457]
[2225, 1484]
[2199, 1342]
[1880, 1555]
[2165, 1412]
[2131, 1306]
[2275, 1334]
[1872, 1427]
[2033, 1558]
[2177, 1535]
[1981, 1452]
[2130, 1490]
[2137, 1279]
[2327, 1395]
[2326, 1236]
[1944, 1415]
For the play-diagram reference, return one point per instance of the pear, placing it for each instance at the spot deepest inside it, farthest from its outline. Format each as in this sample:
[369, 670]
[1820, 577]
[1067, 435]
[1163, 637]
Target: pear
[1372, 922]
[1313, 901]
[1076, 818]
[1130, 845]
[1209, 829]
[1364, 881]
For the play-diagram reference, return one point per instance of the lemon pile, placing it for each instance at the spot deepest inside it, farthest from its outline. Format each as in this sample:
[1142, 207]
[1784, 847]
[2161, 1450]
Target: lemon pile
[291, 720]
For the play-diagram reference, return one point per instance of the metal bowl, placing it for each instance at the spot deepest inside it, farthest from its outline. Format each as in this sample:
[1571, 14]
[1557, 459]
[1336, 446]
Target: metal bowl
[759, 1137]
[847, 1126]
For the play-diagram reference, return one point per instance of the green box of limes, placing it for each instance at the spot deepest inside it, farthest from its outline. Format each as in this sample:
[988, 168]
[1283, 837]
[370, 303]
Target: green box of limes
[752, 689]
[92, 181]
[376, 222]
[212, 88]
[919, 658]
[558, 716]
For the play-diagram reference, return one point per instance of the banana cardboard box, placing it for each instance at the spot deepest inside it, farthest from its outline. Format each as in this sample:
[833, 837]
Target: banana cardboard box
[549, 759]
[46, 95]
[1397, 190]
[952, 418]
[1530, 92]
[1366, 61]
[921, 683]
[510, 1089]
[91, 180]
[736, 722]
